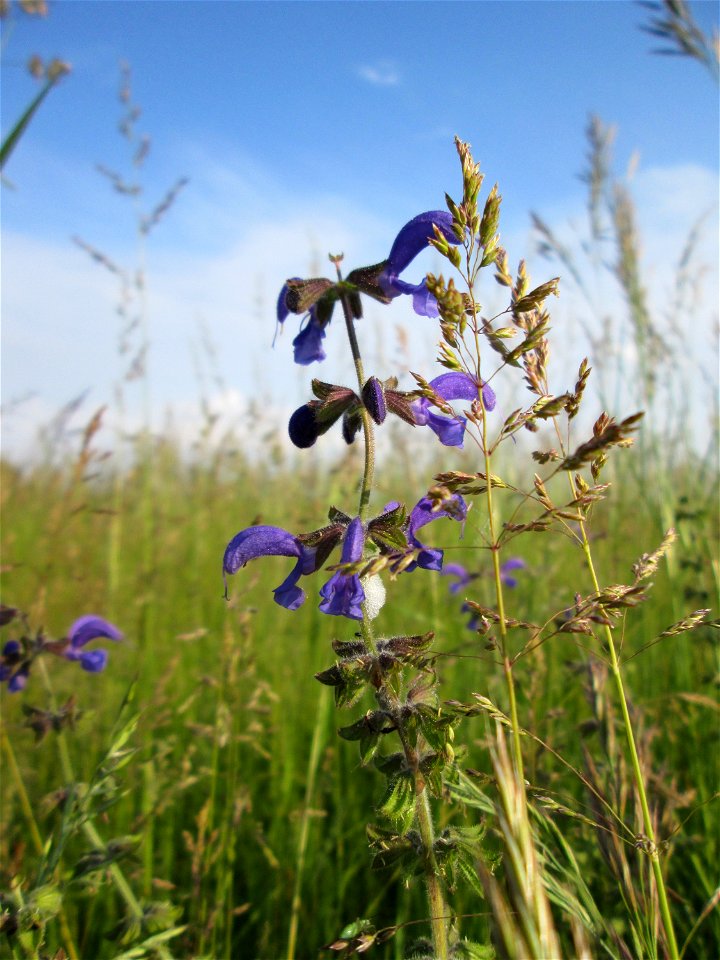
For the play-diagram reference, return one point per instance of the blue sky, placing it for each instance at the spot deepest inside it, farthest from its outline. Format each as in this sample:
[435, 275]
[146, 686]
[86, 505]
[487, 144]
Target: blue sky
[306, 128]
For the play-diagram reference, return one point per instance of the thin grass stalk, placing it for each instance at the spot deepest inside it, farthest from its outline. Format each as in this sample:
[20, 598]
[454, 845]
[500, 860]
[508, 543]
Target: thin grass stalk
[495, 549]
[318, 741]
[652, 851]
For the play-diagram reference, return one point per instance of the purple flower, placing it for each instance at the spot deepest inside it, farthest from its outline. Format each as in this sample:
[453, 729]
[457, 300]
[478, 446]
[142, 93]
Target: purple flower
[343, 594]
[513, 563]
[450, 386]
[14, 669]
[431, 558]
[83, 630]
[265, 541]
[463, 576]
[307, 345]
[412, 240]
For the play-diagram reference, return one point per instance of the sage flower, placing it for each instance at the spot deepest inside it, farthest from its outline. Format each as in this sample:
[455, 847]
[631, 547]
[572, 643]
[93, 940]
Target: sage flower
[450, 386]
[343, 594]
[14, 668]
[83, 630]
[425, 511]
[267, 541]
[412, 240]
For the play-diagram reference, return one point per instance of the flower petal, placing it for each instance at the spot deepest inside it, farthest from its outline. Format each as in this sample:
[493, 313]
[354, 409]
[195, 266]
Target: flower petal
[94, 661]
[431, 558]
[260, 541]
[450, 431]
[464, 577]
[343, 596]
[282, 308]
[89, 628]
[288, 594]
[307, 345]
[303, 427]
[414, 237]
[19, 681]
[455, 386]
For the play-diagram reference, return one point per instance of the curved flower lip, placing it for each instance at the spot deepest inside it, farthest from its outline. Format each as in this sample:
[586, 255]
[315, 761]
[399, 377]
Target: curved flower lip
[431, 558]
[267, 541]
[410, 241]
[282, 309]
[415, 235]
[307, 345]
[91, 627]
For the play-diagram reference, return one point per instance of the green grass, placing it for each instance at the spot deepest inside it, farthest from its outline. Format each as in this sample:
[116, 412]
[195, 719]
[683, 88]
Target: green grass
[215, 792]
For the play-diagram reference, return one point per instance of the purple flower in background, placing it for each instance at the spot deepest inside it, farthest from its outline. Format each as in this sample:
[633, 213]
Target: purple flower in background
[14, 668]
[431, 558]
[85, 629]
[343, 594]
[514, 563]
[450, 386]
[412, 240]
[463, 578]
[18, 655]
[265, 541]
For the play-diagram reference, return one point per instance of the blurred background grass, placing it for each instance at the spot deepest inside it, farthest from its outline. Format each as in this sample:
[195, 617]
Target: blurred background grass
[216, 792]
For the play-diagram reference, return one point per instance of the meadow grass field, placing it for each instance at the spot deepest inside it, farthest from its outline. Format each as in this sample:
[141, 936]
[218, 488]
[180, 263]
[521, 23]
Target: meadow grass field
[201, 795]
[235, 804]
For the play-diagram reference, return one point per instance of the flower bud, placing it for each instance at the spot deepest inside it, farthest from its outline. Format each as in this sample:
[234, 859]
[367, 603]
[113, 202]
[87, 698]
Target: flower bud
[374, 400]
[303, 427]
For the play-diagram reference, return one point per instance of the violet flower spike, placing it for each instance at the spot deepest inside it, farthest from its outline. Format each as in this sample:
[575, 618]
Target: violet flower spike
[83, 630]
[431, 558]
[462, 576]
[343, 594]
[412, 240]
[450, 386]
[266, 541]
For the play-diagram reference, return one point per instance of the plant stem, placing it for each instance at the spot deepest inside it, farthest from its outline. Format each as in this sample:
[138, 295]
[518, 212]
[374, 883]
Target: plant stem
[637, 770]
[423, 814]
[369, 433]
[312, 769]
[495, 551]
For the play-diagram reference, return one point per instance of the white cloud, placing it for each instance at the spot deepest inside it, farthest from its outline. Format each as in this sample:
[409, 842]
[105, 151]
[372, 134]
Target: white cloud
[60, 326]
[384, 73]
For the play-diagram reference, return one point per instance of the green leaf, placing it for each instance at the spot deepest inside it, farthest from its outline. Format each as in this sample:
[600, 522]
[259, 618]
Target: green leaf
[12, 139]
[398, 802]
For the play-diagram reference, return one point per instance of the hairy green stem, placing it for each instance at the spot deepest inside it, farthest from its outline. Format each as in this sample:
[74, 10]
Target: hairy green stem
[423, 814]
[368, 432]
